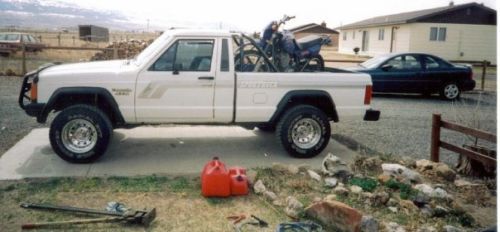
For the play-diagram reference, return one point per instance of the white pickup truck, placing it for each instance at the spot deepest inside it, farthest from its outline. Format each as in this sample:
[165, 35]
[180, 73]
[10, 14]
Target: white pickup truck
[189, 77]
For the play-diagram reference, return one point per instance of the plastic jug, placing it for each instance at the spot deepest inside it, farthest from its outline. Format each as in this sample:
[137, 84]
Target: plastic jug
[215, 179]
[239, 181]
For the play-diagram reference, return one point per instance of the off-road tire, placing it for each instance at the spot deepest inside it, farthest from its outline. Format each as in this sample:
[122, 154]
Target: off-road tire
[447, 95]
[295, 115]
[90, 116]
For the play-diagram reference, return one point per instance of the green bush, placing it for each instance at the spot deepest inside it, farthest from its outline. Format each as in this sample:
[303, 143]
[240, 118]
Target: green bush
[367, 184]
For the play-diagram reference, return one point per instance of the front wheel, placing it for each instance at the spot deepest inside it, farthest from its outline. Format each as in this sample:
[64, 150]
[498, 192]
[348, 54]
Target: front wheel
[304, 131]
[80, 134]
[450, 91]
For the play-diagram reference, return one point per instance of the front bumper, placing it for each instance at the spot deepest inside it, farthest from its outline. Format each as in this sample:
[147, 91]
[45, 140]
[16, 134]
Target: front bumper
[34, 109]
[371, 115]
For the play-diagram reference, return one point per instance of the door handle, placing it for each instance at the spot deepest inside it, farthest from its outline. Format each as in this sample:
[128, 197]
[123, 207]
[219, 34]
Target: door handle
[205, 78]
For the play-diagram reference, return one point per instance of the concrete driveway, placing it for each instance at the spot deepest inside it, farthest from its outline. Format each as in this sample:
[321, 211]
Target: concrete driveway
[174, 150]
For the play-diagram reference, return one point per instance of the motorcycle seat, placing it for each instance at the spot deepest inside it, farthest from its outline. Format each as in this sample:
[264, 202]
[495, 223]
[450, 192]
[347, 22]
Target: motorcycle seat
[308, 41]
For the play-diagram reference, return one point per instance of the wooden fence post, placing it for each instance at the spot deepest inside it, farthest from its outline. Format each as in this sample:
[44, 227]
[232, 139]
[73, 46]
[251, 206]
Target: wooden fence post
[483, 76]
[115, 51]
[435, 137]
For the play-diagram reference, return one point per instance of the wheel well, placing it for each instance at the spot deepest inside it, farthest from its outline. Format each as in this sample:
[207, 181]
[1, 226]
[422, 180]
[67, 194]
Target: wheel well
[318, 99]
[63, 99]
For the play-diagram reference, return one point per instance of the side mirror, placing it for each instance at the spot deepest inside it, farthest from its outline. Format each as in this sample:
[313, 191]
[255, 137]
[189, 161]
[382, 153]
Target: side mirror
[386, 67]
[177, 68]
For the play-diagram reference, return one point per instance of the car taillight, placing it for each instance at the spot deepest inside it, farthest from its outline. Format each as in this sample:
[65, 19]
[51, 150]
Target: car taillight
[34, 92]
[368, 94]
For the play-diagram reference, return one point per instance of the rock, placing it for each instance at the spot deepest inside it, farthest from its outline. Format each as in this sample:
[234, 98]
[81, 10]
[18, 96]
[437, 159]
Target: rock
[251, 176]
[336, 215]
[278, 202]
[380, 198]
[394, 227]
[304, 167]
[421, 199]
[383, 178]
[330, 197]
[293, 207]
[424, 188]
[439, 193]
[426, 210]
[393, 202]
[427, 229]
[393, 209]
[406, 204]
[292, 169]
[341, 191]
[462, 183]
[331, 182]
[369, 224]
[445, 172]
[259, 187]
[356, 189]
[449, 228]
[270, 195]
[400, 171]
[315, 176]
[331, 165]
[279, 167]
[367, 195]
[367, 165]
[343, 175]
[424, 164]
[439, 211]
[316, 199]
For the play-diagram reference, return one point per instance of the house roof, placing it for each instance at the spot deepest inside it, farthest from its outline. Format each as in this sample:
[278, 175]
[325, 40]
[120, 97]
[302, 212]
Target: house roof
[409, 17]
[311, 26]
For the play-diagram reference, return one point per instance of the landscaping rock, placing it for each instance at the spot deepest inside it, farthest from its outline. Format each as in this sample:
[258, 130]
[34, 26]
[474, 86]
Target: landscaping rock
[251, 176]
[426, 210]
[393, 202]
[445, 172]
[341, 191]
[462, 183]
[356, 189]
[293, 207]
[332, 165]
[439, 193]
[279, 167]
[406, 204]
[331, 197]
[380, 199]
[259, 187]
[331, 182]
[449, 228]
[393, 209]
[369, 224]
[367, 165]
[401, 172]
[421, 199]
[427, 229]
[336, 215]
[383, 178]
[270, 195]
[304, 167]
[430, 168]
[439, 211]
[425, 189]
[394, 227]
[315, 176]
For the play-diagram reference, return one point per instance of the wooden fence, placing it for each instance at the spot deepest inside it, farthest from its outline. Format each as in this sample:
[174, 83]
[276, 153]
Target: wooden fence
[436, 142]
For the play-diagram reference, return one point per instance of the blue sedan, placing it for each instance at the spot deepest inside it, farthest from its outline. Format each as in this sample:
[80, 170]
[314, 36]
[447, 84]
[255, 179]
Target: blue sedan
[417, 73]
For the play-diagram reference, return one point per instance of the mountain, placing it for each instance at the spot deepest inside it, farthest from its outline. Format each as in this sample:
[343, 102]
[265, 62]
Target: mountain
[53, 14]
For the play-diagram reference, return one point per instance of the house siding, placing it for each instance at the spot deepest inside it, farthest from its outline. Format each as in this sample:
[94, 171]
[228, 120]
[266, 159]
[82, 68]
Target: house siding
[376, 46]
[463, 41]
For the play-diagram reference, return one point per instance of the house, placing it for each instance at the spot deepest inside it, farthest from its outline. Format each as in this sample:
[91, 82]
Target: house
[93, 33]
[464, 32]
[316, 29]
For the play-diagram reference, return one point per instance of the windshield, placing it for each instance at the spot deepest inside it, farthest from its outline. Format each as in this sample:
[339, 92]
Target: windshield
[374, 62]
[151, 50]
[9, 37]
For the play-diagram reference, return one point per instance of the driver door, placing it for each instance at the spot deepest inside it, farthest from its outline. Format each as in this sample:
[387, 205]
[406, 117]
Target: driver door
[179, 85]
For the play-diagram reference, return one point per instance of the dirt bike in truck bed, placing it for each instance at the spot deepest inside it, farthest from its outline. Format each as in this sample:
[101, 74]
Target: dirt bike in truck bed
[189, 77]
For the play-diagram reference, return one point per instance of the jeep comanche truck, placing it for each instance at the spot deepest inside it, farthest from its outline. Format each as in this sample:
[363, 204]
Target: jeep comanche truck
[189, 77]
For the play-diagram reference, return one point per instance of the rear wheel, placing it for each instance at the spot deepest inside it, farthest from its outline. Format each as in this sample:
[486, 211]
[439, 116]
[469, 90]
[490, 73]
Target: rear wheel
[80, 134]
[304, 131]
[450, 91]
[315, 64]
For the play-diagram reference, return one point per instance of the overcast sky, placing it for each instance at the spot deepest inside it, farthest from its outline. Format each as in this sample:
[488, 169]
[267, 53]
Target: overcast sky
[253, 15]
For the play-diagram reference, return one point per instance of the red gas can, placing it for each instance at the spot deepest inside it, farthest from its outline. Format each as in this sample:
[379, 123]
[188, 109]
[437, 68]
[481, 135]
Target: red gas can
[239, 181]
[215, 179]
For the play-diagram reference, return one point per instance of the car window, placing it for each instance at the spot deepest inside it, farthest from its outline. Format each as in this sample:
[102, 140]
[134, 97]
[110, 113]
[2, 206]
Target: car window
[3, 36]
[186, 55]
[431, 63]
[25, 38]
[32, 39]
[12, 37]
[405, 62]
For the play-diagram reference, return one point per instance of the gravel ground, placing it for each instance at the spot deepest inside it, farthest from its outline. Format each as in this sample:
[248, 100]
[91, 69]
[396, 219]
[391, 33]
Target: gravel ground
[14, 122]
[404, 128]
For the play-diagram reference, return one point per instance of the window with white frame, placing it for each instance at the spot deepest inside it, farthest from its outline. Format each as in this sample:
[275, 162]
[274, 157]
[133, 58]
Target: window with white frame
[344, 35]
[381, 33]
[438, 34]
[354, 34]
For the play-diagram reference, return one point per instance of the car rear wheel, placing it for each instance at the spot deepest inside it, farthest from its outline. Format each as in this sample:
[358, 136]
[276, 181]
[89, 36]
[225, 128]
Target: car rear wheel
[80, 134]
[304, 131]
[450, 91]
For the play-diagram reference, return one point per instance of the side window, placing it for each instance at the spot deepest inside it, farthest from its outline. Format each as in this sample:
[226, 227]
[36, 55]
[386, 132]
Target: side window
[396, 63]
[224, 65]
[404, 63]
[186, 55]
[24, 38]
[431, 63]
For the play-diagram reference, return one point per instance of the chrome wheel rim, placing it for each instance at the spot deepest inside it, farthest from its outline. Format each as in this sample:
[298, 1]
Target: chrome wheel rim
[79, 136]
[306, 133]
[451, 91]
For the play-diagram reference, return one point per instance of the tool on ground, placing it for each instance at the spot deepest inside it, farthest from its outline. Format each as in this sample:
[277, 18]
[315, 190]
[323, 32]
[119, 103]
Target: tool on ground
[141, 217]
[299, 226]
[261, 222]
[237, 218]
[239, 221]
